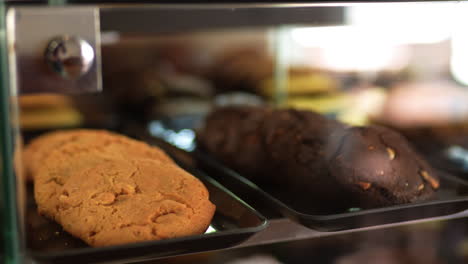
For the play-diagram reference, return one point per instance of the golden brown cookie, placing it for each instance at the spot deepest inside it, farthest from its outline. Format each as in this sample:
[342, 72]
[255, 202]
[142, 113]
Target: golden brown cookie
[124, 201]
[40, 148]
[87, 149]
[108, 189]
[56, 170]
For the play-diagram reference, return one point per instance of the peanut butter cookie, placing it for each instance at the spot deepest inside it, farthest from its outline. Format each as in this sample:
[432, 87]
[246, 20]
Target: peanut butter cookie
[112, 201]
[123, 201]
[108, 189]
[40, 148]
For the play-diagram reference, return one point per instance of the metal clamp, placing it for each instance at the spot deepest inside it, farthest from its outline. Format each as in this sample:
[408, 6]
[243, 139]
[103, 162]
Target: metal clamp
[54, 49]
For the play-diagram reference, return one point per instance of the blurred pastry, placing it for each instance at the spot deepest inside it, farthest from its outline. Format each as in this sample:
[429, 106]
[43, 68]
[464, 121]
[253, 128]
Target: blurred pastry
[355, 107]
[253, 70]
[48, 111]
[432, 104]
[301, 81]
[241, 69]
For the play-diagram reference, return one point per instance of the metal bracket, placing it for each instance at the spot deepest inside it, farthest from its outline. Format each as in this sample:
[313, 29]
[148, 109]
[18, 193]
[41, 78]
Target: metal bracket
[31, 31]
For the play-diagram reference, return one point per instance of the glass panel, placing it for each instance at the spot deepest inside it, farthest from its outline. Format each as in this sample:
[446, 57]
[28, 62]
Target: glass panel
[334, 117]
[356, 73]
[10, 192]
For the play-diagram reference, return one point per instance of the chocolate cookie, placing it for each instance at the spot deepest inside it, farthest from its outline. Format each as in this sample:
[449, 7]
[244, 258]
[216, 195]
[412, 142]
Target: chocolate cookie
[378, 165]
[284, 151]
[234, 135]
[317, 164]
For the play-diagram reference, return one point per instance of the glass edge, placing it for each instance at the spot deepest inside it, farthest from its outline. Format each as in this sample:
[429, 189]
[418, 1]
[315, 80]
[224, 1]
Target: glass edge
[10, 222]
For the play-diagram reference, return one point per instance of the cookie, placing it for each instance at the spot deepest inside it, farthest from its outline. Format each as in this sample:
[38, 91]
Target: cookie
[35, 151]
[87, 149]
[378, 165]
[317, 164]
[39, 149]
[57, 169]
[240, 145]
[151, 197]
[125, 201]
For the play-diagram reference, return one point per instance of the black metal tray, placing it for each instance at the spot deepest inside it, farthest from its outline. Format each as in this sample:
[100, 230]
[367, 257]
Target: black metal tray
[452, 197]
[234, 222]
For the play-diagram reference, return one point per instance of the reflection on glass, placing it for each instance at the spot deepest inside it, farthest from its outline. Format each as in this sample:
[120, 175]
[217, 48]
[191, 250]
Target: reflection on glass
[184, 139]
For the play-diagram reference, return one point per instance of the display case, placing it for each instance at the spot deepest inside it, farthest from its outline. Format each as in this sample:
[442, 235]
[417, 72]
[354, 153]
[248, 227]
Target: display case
[138, 131]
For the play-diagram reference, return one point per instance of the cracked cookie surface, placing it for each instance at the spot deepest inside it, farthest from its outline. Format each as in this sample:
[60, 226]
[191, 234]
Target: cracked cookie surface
[124, 201]
[39, 149]
[107, 189]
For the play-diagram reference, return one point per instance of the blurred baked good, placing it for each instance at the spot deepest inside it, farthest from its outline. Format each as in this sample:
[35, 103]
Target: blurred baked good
[432, 104]
[44, 101]
[240, 69]
[48, 111]
[301, 81]
[253, 70]
[356, 107]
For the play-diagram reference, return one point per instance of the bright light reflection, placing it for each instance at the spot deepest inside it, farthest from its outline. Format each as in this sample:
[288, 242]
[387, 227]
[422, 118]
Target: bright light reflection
[87, 52]
[459, 54]
[210, 230]
[458, 154]
[364, 57]
[184, 139]
[416, 23]
[373, 34]
[376, 36]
